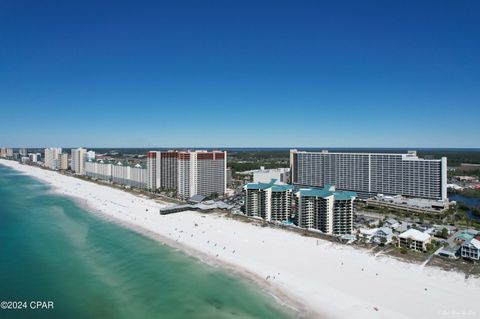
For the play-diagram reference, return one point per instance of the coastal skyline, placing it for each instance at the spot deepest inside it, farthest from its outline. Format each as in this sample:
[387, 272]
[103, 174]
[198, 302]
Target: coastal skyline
[239, 159]
[220, 74]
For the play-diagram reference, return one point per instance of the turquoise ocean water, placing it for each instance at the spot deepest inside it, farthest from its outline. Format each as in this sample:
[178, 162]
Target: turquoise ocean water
[53, 250]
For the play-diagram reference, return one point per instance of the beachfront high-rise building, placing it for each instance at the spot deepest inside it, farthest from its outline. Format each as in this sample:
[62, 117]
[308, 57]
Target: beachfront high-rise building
[33, 157]
[168, 170]
[79, 156]
[153, 170]
[22, 151]
[125, 174]
[162, 170]
[51, 157]
[62, 161]
[3, 152]
[9, 152]
[370, 174]
[119, 173]
[270, 201]
[326, 209]
[99, 170]
[138, 176]
[201, 173]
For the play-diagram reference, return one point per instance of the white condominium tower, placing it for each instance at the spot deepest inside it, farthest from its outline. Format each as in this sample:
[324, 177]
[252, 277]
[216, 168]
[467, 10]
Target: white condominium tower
[79, 156]
[201, 173]
[168, 170]
[153, 170]
[269, 201]
[134, 176]
[51, 157]
[162, 170]
[33, 157]
[325, 209]
[62, 162]
[370, 174]
[9, 152]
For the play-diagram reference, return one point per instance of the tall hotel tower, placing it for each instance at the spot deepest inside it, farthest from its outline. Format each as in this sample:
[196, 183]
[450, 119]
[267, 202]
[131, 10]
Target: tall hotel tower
[153, 170]
[162, 170]
[325, 209]
[201, 173]
[79, 155]
[370, 174]
[51, 156]
[269, 201]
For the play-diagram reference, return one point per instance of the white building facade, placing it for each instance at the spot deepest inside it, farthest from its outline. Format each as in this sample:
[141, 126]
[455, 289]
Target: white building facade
[162, 171]
[471, 249]
[153, 170]
[62, 161]
[33, 157]
[125, 174]
[326, 210]
[79, 156]
[98, 169]
[51, 157]
[281, 175]
[370, 174]
[201, 173]
[270, 201]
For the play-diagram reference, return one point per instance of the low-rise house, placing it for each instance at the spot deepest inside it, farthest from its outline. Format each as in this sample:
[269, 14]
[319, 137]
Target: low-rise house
[471, 249]
[404, 226]
[414, 239]
[367, 233]
[383, 235]
[392, 223]
[449, 252]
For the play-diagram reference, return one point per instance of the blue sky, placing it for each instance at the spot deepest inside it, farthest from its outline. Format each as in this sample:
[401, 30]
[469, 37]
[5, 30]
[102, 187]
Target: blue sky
[240, 73]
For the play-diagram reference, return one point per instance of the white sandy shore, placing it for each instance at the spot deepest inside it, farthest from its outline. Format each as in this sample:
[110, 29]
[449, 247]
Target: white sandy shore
[330, 280]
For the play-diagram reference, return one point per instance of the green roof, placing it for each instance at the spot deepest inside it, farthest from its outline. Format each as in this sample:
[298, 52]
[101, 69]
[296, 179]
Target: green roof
[275, 187]
[327, 191]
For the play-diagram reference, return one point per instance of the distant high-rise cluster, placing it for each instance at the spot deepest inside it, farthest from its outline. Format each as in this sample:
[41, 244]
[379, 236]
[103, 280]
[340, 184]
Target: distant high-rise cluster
[186, 173]
[6, 153]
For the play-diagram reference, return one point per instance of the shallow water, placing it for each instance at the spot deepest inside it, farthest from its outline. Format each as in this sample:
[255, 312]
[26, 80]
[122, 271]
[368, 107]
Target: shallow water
[53, 250]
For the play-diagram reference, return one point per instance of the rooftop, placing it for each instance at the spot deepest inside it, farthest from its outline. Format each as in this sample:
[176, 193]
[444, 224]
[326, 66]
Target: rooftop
[415, 235]
[327, 191]
[275, 187]
[473, 242]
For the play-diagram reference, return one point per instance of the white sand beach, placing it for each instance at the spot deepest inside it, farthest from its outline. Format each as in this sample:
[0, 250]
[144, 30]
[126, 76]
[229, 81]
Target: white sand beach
[324, 279]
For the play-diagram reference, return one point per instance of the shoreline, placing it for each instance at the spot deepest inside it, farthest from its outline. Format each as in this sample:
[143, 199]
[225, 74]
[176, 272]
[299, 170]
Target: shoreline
[281, 298]
[315, 278]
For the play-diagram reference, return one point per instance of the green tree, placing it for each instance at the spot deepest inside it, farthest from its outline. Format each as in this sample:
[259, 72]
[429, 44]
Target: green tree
[444, 233]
